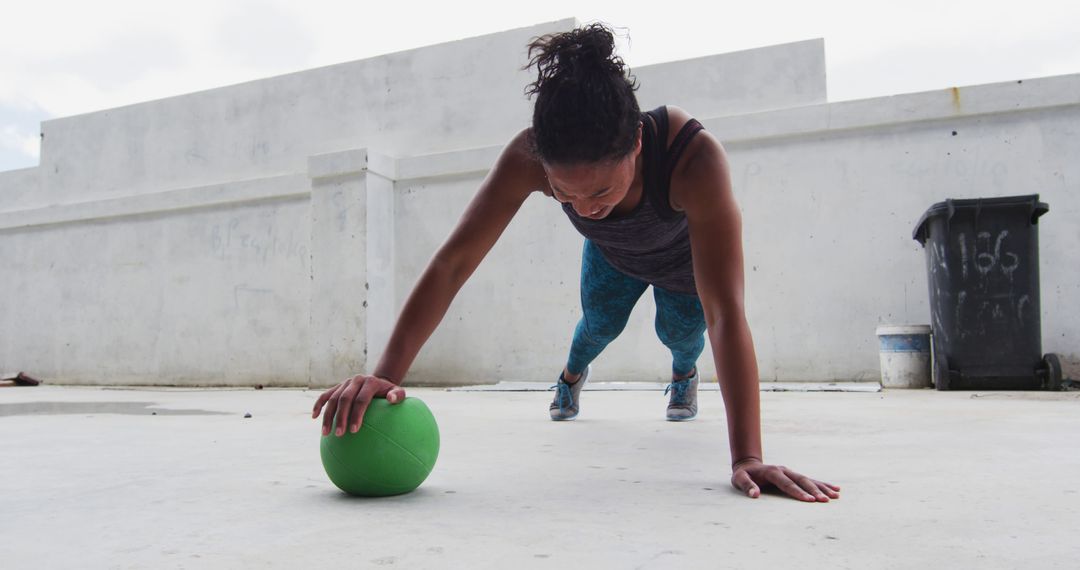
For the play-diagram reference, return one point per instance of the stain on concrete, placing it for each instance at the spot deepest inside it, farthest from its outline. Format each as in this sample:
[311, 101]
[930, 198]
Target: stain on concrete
[70, 408]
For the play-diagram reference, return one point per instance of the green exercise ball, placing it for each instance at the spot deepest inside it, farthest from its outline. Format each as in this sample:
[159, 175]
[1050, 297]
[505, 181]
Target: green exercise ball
[392, 453]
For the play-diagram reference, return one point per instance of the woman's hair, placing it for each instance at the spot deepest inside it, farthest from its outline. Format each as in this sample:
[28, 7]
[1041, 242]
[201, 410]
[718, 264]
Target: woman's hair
[585, 107]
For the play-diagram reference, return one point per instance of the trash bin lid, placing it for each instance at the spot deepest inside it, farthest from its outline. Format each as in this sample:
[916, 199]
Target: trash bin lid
[949, 207]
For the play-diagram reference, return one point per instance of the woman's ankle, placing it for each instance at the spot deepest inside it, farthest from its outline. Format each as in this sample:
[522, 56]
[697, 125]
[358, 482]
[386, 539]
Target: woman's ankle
[684, 376]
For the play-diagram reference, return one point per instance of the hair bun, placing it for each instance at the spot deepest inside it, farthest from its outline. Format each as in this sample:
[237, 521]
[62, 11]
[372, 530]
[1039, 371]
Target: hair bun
[589, 49]
[584, 48]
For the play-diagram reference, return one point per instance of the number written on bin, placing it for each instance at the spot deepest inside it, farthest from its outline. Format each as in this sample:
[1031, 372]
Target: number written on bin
[985, 262]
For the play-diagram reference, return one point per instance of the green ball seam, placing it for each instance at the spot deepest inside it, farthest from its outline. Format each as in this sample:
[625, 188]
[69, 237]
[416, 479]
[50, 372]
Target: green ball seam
[401, 447]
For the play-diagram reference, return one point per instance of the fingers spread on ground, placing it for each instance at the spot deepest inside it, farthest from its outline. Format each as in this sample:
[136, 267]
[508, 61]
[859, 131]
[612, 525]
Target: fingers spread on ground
[825, 489]
[742, 481]
[785, 484]
[809, 486]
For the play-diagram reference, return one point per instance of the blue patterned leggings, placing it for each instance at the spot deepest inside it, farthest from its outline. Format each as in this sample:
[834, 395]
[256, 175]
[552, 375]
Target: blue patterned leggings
[608, 296]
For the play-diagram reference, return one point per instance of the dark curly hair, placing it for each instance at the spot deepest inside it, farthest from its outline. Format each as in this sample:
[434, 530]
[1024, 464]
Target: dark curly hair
[585, 110]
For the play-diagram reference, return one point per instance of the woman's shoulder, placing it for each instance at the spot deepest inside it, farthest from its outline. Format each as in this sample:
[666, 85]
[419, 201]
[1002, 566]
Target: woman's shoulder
[669, 117]
[697, 161]
[518, 161]
[677, 119]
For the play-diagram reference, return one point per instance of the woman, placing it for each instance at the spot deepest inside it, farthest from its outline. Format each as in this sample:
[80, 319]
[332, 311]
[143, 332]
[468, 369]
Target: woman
[652, 194]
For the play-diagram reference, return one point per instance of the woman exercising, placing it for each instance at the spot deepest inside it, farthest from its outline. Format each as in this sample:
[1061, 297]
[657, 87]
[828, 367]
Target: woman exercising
[651, 193]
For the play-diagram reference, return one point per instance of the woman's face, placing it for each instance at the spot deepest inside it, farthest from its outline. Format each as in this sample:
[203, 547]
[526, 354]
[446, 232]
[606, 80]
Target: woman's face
[594, 189]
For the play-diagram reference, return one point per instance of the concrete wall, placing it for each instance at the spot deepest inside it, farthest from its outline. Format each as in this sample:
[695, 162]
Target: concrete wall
[19, 188]
[830, 195]
[835, 191]
[778, 77]
[268, 232]
[457, 95]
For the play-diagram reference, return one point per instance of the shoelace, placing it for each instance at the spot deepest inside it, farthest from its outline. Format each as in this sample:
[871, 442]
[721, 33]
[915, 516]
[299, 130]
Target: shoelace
[681, 388]
[566, 397]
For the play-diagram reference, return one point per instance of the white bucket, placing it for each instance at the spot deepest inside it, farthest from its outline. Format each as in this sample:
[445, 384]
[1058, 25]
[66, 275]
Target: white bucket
[905, 355]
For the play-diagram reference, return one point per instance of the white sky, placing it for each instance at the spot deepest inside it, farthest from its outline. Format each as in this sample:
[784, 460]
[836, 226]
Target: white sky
[66, 57]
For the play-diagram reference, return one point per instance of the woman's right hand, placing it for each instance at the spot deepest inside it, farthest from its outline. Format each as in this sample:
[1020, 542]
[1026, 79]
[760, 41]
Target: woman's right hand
[351, 398]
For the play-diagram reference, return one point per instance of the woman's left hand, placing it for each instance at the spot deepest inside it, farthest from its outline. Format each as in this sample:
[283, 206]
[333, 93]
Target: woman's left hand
[750, 475]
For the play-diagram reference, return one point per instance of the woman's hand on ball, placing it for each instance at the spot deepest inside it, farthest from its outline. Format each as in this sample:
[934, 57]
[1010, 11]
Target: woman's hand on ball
[351, 398]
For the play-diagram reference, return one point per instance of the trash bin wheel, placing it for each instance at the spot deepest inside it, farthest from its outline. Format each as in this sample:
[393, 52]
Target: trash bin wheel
[1053, 371]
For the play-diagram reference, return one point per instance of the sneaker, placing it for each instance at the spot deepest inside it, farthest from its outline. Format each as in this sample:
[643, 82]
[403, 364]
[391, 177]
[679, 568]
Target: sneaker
[683, 403]
[565, 406]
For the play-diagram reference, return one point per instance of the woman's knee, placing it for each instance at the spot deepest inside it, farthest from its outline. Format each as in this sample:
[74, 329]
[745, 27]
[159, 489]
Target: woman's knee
[601, 328]
[679, 324]
[687, 338]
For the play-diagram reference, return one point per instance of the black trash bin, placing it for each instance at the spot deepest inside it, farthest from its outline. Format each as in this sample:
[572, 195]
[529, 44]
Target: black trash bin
[982, 261]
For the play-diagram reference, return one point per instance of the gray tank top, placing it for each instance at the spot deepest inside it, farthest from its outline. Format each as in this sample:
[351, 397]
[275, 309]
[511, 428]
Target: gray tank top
[651, 242]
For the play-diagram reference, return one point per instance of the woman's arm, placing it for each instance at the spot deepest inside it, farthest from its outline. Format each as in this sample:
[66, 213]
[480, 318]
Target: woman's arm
[701, 187]
[501, 195]
[515, 175]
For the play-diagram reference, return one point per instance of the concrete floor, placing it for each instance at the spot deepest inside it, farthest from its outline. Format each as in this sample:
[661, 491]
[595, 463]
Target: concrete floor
[93, 479]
